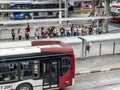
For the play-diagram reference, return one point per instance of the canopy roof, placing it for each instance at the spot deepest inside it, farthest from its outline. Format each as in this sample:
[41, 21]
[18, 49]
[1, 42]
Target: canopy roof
[102, 37]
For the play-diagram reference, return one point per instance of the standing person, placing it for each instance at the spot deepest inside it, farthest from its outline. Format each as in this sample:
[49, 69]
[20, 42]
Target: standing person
[43, 32]
[55, 33]
[99, 30]
[13, 34]
[72, 29]
[26, 35]
[27, 31]
[62, 31]
[19, 34]
[88, 45]
[28, 27]
[75, 31]
[95, 30]
[90, 30]
[68, 31]
[37, 34]
[83, 31]
[79, 30]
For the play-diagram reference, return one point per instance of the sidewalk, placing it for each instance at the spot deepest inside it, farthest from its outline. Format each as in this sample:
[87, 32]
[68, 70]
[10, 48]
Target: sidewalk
[98, 64]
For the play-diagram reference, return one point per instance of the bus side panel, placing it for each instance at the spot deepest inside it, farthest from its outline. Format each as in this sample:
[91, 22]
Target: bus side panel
[73, 64]
[115, 19]
[67, 78]
[36, 85]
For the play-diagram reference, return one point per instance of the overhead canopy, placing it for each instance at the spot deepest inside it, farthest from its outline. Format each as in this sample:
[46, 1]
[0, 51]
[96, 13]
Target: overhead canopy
[52, 20]
[102, 37]
[11, 1]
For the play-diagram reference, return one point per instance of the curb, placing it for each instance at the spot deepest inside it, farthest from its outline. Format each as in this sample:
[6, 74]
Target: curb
[97, 71]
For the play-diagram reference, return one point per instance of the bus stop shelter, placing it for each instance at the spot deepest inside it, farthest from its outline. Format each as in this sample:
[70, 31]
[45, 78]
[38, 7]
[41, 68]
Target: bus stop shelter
[97, 38]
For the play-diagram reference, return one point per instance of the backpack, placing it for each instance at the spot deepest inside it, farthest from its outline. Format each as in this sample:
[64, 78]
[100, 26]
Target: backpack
[99, 30]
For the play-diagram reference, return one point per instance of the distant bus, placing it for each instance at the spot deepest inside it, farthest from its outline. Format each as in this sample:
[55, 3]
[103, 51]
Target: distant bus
[40, 65]
[44, 5]
[115, 11]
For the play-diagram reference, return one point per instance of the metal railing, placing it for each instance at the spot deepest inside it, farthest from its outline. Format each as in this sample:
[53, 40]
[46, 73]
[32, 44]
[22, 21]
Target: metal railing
[103, 48]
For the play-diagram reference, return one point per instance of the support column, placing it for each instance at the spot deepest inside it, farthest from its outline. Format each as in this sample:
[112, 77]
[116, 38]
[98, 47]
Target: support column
[0, 34]
[60, 12]
[66, 8]
[106, 13]
[82, 3]
[107, 8]
[93, 6]
[82, 49]
[66, 13]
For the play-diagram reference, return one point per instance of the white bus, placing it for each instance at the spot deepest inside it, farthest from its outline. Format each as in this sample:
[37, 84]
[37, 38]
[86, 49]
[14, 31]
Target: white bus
[36, 65]
[115, 11]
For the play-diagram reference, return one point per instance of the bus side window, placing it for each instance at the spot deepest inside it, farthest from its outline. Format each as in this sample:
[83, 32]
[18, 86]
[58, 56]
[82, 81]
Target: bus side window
[36, 69]
[8, 71]
[66, 64]
[26, 69]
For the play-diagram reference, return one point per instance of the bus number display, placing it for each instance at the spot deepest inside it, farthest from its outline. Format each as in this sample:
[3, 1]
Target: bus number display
[6, 87]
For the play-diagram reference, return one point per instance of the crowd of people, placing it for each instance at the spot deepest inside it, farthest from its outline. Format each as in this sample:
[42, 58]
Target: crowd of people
[52, 31]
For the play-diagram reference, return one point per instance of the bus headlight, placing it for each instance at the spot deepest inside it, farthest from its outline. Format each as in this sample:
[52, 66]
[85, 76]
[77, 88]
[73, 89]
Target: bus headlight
[11, 15]
[21, 15]
[31, 14]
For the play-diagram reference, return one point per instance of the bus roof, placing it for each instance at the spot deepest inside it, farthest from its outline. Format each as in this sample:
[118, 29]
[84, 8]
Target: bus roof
[8, 2]
[16, 48]
[50, 20]
[28, 2]
[117, 4]
[45, 2]
[21, 3]
[25, 50]
[102, 37]
[41, 43]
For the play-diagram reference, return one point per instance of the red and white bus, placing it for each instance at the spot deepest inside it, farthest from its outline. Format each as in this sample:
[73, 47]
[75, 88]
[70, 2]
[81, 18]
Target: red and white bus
[115, 11]
[38, 65]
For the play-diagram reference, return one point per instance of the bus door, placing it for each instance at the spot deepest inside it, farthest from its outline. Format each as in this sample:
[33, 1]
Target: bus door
[50, 74]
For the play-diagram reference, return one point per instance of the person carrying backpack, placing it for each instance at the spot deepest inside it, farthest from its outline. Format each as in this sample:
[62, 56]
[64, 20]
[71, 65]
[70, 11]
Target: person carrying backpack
[99, 30]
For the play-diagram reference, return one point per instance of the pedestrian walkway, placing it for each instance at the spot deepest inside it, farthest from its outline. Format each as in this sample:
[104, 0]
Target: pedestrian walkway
[98, 64]
[112, 28]
[81, 15]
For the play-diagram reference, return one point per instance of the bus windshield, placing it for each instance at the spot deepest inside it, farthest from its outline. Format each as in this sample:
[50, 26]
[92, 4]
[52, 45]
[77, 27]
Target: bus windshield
[21, 5]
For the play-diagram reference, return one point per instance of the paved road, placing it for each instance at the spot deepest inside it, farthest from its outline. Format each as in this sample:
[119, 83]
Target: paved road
[109, 80]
